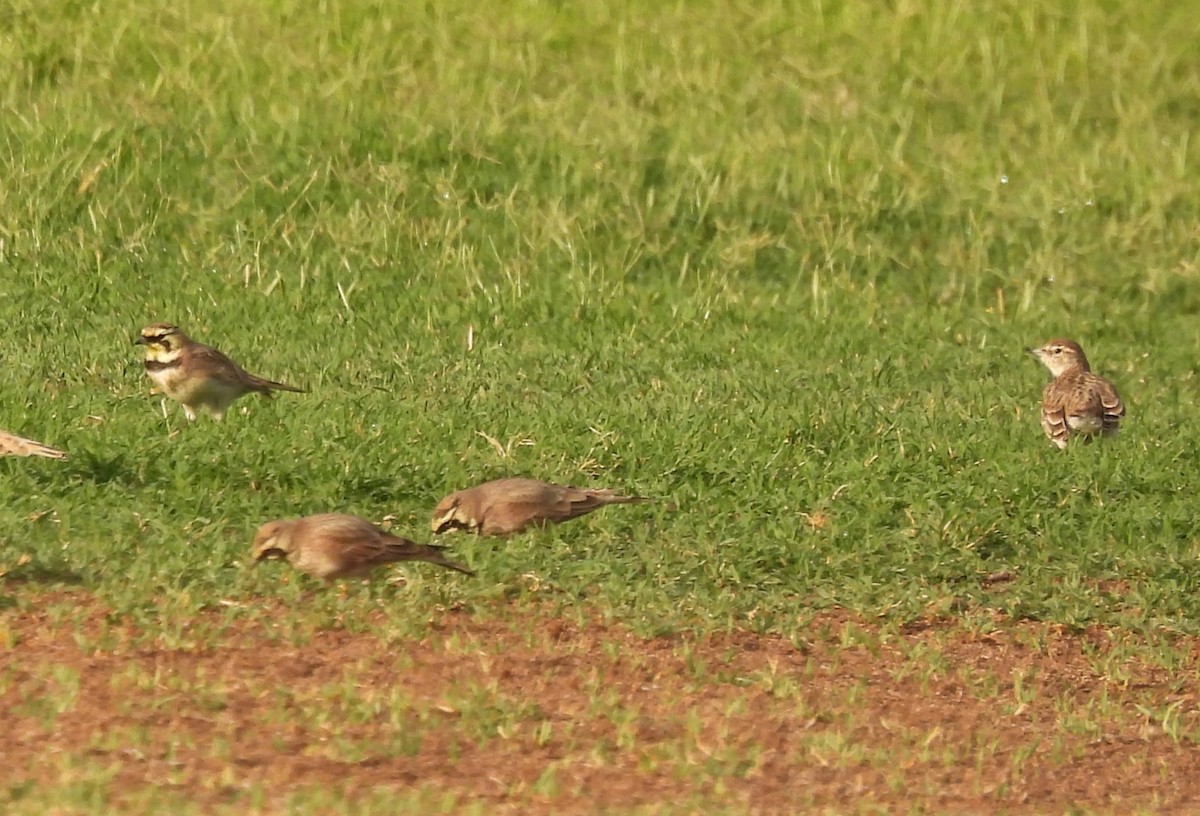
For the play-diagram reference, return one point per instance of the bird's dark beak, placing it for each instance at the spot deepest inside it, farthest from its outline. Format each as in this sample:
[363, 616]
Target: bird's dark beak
[141, 341]
[1031, 351]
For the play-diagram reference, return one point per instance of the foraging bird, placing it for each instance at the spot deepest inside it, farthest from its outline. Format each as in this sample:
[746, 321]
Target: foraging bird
[338, 545]
[12, 445]
[508, 506]
[198, 376]
[1076, 401]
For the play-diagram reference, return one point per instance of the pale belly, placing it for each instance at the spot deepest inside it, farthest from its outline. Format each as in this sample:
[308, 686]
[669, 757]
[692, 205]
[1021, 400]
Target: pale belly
[211, 395]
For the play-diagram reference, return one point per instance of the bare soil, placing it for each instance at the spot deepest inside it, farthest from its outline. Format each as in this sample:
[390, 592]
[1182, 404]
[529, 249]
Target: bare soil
[528, 713]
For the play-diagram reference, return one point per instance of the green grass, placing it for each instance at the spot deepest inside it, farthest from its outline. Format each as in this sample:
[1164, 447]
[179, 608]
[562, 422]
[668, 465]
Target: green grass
[773, 265]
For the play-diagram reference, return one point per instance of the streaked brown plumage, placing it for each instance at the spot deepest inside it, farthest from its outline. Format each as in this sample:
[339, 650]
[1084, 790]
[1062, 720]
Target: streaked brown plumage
[1076, 401]
[339, 545]
[198, 376]
[13, 445]
[507, 506]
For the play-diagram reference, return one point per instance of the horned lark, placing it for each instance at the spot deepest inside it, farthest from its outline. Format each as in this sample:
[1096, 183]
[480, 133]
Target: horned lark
[12, 445]
[1076, 401]
[337, 545]
[510, 505]
[198, 376]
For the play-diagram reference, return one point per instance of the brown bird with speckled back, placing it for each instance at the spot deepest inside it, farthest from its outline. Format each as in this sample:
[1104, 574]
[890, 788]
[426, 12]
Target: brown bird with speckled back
[197, 376]
[1076, 401]
[339, 545]
[507, 506]
[13, 445]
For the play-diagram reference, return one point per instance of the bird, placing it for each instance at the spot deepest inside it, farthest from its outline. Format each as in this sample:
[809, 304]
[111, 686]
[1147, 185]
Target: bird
[13, 445]
[507, 506]
[339, 545]
[1076, 401]
[198, 376]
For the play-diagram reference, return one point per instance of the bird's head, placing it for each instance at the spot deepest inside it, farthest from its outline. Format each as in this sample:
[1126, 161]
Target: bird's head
[1061, 355]
[452, 513]
[160, 340]
[273, 540]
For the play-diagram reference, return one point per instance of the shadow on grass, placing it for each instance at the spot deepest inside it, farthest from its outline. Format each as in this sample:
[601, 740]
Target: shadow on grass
[109, 468]
[34, 573]
[118, 468]
[369, 489]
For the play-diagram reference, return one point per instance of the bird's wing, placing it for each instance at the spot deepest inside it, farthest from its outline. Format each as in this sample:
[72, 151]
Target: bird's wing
[1054, 414]
[1111, 406]
[214, 363]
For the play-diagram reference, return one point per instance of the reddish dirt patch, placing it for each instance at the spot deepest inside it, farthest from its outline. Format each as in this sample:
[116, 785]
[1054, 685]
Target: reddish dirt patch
[1026, 719]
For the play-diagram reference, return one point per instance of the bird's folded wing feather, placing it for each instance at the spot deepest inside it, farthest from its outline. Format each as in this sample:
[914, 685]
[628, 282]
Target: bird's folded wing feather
[216, 362]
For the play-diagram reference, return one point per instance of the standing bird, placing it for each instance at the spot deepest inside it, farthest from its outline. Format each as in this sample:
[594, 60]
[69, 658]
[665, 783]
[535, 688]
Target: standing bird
[12, 445]
[1076, 401]
[338, 545]
[198, 376]
[508, 506]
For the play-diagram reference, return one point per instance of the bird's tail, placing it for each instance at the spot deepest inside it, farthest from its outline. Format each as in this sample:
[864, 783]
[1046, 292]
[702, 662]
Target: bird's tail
[606, 496]
[405, 550]
[435, 556]
[265, 387]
